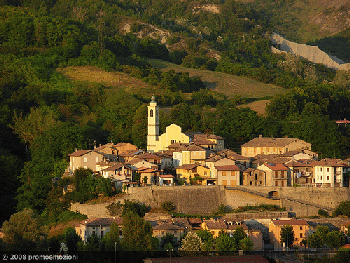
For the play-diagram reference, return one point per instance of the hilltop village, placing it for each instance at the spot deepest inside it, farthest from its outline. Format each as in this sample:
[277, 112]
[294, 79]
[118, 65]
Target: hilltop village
[176, 158]
[201, 159]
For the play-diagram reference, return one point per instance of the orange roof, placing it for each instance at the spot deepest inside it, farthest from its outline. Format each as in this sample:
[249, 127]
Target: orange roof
[166, 176]
[215, 224]
[291, 222]
[79, 153]
[148, 156]
[276, 166]
[227, 168]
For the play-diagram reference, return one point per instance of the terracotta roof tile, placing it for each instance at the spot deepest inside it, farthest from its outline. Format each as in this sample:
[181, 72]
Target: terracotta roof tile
[269, 142]
[101, 221]
[215, 224]
[291, 222]
[79, 153]
[227, 168]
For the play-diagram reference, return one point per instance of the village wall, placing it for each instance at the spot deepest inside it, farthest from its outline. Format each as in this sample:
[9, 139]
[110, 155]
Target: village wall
[329, 197]
[186, 199]
[298, 201]
[237, 198]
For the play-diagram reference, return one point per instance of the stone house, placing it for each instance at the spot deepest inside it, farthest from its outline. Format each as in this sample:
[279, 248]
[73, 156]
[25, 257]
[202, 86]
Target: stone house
[139, 163]
[228, 175]
[217, 160]
[241, 161]
[204, 173]
[263, 145]
[301, 231]
[195, 223]
[301, 172]
[86, 159]
[276, 174]
[186, 171]
[119, 172]
[98, 226]
[150, 175]
[189, 154]
[214, 226]
[208, 141]
[123, 147]
[149, 157]
[254, 177]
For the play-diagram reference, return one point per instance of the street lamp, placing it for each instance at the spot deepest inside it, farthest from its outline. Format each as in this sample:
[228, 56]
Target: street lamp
[115, 252]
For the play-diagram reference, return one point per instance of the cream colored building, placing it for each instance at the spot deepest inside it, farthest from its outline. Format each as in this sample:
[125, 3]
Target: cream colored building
[211, 163]
[301, 231]
[264, 145]
[277, 174]
[228, 175]
[189, 154]
[98, 226]
[173, 134]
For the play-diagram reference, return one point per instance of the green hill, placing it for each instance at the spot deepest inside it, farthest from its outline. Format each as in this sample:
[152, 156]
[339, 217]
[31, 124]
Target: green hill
[229, 85]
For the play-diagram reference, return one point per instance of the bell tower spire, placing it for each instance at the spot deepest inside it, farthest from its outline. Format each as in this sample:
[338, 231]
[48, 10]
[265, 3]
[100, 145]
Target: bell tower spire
[153, 126]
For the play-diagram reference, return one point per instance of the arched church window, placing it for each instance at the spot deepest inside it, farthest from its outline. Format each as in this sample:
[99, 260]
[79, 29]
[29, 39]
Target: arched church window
[151, 113]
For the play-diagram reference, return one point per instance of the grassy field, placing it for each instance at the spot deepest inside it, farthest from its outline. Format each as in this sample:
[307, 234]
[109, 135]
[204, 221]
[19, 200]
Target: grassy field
[226, 84]
[222, 83]
[114, 80]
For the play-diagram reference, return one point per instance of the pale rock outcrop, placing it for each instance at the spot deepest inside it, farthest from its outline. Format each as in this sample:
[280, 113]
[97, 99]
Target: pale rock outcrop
[311, 53]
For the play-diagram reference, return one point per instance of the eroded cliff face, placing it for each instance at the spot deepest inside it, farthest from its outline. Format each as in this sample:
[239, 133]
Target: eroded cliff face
[311, 53]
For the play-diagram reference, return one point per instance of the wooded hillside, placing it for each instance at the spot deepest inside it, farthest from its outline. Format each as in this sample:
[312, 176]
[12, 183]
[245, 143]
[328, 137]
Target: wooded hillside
[46, 111]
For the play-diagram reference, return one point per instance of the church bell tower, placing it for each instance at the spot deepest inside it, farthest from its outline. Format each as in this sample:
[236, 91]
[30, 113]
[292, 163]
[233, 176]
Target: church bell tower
[153, 126]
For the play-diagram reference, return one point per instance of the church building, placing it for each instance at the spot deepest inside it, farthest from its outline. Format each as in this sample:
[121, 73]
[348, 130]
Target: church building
[173, 133]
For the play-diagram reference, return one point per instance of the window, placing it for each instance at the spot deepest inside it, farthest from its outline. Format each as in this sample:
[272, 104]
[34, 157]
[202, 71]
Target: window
[173, 141]
[85, 159]
[151, 113]
[282, 183]
[224, 173]
[301, 235]
[327, 178]
[320, 169]
[96, 159]
[301, 228]
[276, 183]
[327, 170]
[321, 177]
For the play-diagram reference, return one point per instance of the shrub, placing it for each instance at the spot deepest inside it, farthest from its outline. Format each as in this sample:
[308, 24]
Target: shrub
[167, 206]
[322, 212]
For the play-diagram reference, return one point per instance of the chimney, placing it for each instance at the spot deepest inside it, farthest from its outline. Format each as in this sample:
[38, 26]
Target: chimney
[76, 149]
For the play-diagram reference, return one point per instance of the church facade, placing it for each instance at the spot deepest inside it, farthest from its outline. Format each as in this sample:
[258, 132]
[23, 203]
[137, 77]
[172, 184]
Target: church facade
[173, 133]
